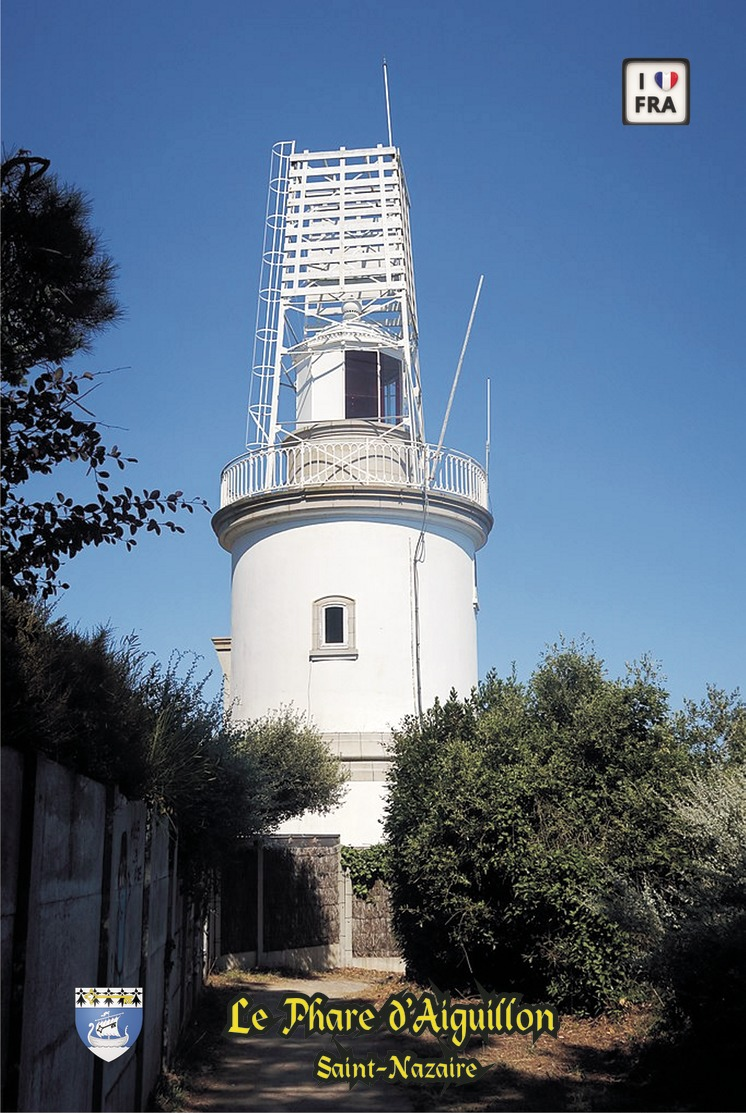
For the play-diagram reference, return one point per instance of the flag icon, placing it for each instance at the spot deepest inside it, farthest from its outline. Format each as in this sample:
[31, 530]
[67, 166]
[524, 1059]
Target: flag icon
[666, 80]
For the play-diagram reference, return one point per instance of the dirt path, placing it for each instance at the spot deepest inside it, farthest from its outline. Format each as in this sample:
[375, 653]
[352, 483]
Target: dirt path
[274, 1073]
[586, 1067]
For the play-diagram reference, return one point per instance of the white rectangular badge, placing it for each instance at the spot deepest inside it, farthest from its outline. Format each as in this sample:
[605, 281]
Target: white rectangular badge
[655, 91]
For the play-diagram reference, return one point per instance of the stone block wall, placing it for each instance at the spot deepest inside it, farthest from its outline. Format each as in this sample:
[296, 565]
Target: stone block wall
[286, 902]
[372, 934]
[301, 905]
[280, 903]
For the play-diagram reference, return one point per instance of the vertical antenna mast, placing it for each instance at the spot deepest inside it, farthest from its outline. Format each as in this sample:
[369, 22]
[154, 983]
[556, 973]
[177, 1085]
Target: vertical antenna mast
[388, 104]
[489, 434]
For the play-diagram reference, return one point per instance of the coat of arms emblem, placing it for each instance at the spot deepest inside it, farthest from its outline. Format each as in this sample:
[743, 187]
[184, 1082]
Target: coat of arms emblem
[108, 1020]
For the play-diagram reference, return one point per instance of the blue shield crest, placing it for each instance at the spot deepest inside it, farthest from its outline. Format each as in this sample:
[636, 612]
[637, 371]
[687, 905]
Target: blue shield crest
[108, 1020]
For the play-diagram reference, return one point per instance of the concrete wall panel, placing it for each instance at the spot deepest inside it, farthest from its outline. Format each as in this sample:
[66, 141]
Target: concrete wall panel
[63, 937]
[12, 782]
[126, 891]
[83, 921]
[154, 956]
[120, 1094]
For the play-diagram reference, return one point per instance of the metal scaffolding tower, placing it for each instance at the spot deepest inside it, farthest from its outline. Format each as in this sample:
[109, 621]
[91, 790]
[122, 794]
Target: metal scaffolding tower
[337, 245]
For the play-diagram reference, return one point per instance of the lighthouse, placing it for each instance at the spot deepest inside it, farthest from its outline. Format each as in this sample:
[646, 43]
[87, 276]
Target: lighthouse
[353, 541]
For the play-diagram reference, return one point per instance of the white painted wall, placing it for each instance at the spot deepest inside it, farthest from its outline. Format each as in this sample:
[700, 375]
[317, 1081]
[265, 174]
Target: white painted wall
[280, 571]
[358, 821]
[320, 387]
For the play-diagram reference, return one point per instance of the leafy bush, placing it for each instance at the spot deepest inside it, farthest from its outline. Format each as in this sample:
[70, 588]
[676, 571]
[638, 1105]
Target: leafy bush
[701, 962]
[366, 865]
[714, 730]
[106, 711]
[525, 821]
[74, 697]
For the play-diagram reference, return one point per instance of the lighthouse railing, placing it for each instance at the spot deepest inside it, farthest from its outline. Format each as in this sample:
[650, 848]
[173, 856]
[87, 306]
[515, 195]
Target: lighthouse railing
[371, 461]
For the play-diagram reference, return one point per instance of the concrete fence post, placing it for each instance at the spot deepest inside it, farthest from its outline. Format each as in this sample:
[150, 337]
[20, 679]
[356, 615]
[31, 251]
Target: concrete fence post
[259, 902]
[345, 918]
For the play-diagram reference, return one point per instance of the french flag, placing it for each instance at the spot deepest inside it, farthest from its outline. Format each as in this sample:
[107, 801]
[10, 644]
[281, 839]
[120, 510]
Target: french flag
[665, 80]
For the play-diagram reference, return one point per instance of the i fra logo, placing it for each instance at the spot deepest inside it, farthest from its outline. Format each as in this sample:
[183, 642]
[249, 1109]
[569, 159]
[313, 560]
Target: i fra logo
[655, 91]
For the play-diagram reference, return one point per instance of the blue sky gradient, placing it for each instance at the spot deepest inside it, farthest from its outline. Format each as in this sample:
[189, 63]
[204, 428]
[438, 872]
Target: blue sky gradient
[611, 323]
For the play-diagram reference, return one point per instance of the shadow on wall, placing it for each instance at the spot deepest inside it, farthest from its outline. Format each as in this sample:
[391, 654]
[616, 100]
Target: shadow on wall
[280, 899]
[286, 902]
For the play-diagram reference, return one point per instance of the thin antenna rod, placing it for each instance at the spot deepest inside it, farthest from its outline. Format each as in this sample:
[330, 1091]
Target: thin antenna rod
[458, 371]
[489, 433]
[388, 104]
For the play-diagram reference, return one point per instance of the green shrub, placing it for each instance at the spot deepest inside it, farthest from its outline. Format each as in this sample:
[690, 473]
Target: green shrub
[701, 962]
[108, 711]
[525, 821]
[74, 697]
[699, 965]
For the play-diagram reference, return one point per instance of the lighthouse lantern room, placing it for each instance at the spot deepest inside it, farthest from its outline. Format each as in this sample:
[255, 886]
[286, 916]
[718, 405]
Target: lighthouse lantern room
[353, 541]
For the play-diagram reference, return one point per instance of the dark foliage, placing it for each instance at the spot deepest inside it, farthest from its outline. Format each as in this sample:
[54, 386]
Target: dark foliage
[56, 280]
[56, 286]
[699, 963]
[44, 424]
[73, 697]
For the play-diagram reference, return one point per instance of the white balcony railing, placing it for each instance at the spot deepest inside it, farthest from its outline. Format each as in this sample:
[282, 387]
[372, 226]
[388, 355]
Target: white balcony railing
[368, 462]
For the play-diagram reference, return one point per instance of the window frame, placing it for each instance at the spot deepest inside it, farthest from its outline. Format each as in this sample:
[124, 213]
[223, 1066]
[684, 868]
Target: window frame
[387, 371]
[320, 648]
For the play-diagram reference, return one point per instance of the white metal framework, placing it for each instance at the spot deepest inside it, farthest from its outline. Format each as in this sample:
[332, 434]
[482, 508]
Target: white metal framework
[337, 248]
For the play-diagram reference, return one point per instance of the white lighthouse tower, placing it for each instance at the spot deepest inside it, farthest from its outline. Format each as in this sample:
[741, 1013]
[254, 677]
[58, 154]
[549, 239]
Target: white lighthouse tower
[353, 541]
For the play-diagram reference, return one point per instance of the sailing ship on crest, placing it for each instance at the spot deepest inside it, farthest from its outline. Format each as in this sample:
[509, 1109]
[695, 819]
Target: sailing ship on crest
[107, 1032]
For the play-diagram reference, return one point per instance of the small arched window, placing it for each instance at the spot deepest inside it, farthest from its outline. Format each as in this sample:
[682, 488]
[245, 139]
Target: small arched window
[333, 628]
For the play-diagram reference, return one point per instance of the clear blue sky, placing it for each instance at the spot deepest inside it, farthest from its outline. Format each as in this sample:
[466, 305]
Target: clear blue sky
[611, 323]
